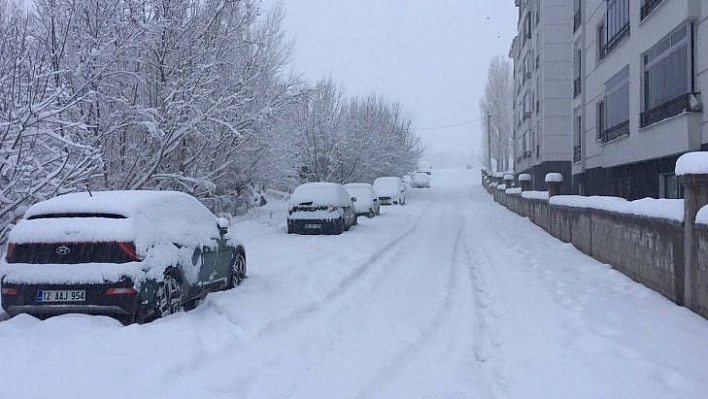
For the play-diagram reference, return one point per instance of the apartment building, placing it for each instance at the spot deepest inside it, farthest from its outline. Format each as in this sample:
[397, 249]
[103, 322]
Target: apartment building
[639, 68]
[542, 54]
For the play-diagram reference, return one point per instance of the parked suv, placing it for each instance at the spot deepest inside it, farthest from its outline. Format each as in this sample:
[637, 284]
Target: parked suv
[133, 255]
[390, 190]
[320, 208]
[366, 204]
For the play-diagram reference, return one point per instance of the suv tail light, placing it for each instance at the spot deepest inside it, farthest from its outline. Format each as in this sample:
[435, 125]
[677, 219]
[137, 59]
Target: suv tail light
[10, 250]
[9, 291]
[121, 291]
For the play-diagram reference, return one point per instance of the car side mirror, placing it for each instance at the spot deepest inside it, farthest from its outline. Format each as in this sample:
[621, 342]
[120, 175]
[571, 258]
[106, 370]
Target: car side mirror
[353, 199]
[376, 199]
[223, 224]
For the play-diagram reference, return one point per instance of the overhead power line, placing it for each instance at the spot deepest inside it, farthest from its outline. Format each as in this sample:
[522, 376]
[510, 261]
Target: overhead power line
[441, 127]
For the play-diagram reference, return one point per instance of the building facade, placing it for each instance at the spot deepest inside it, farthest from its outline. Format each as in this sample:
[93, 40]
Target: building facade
[542, 55]
[639, 68]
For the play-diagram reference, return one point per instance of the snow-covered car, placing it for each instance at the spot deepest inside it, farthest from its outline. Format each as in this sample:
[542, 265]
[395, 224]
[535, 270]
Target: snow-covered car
[320, 208]
[366, 204]
[421, 180]
[133, 255]
[390, 190]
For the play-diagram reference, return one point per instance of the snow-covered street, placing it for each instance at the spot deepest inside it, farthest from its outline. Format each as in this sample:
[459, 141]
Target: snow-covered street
[450, 295]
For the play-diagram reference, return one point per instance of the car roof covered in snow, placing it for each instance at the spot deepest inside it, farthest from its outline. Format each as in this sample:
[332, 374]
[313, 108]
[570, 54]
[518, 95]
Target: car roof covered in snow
[321, 193]
[145, 217]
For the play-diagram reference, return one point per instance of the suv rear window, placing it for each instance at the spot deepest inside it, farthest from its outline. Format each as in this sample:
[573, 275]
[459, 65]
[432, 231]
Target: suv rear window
[71, 253]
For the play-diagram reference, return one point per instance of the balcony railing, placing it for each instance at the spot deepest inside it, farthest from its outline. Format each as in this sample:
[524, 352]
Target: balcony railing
[577, 153]
[689, 102]
[577, 20]
[576, 86]
[616, 131]
[648, 7]
[615, 40]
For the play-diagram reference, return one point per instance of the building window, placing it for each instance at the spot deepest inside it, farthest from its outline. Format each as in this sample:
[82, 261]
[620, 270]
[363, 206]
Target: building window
[601, 36]
[577, 72]
[648, 6]
[616, 103]
[667, 78]
[577, 15]
[601, 123]
[577, 136]
[616, 24]
[670, 187]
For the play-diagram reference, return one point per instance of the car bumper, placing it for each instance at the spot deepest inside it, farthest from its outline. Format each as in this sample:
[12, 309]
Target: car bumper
[100, 299]
[311, 226]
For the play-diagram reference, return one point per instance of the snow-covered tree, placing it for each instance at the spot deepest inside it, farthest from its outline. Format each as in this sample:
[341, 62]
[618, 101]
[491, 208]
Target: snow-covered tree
[497, 107]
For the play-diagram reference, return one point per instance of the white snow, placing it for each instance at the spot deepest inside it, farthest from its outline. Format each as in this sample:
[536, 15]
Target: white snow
[321, 193]
[524, 177]
[515, 190]
[388, 186]
[508, 177]
[364, 194]
[538, 195]
[451, 295]
[501, 187]
[554, 178]
[692, 163]
[670, 209]
[702, 216]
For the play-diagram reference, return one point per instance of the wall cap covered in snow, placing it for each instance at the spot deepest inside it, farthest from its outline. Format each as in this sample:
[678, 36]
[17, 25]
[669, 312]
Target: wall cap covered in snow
[524, 177]
[692, 163]
[554, 178]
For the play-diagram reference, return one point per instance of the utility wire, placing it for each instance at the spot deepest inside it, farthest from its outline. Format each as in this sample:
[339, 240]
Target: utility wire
[451, 126]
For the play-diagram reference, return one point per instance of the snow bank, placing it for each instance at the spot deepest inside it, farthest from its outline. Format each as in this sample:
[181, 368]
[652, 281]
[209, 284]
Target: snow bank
[692, 163]
[670, 209]
[538, 195]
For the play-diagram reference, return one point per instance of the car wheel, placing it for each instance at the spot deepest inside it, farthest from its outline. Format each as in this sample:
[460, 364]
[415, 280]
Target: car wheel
[371, 214]
[168, 296]
[238, 270]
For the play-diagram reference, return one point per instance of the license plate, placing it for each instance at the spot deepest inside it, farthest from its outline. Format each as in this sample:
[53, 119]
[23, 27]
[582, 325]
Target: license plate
[61, 295]
[313, 226]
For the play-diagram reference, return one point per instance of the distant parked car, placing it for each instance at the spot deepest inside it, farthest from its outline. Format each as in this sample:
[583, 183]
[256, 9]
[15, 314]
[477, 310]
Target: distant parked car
[320, 208]
[390, 190]
[421, 180]
[367, 204]
[133, 255]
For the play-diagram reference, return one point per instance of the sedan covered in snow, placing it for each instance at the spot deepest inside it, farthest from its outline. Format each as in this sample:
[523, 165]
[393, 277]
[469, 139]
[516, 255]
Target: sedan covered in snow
[421, 180]
[320, 208]
[133, 255]
[366, 204]
[390, 190]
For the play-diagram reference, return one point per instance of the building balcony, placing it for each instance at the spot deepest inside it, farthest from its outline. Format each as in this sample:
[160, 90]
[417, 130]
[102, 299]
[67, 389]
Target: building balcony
[615, 132]
[577, 84]
[577, 153]
[648, 7]
[689, 102]
[614, 40]
[577, 20]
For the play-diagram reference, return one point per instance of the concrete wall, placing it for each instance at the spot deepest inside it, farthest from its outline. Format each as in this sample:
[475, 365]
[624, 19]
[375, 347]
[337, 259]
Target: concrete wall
[648, 250]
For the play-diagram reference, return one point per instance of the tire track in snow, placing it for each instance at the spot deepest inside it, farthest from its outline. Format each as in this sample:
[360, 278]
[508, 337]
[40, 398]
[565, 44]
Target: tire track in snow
[408, 352]
[277, 326]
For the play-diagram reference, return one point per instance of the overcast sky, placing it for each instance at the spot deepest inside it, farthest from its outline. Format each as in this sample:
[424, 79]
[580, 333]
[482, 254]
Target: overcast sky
[432, 56]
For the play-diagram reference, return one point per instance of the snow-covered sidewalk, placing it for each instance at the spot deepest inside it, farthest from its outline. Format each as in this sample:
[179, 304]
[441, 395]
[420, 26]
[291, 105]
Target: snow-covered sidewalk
[450, 295]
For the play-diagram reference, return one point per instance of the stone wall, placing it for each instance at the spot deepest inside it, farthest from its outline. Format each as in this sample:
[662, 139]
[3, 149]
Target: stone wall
[648, 250]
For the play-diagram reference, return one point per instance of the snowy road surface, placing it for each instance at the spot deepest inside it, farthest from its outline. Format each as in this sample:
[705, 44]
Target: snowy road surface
[450, 296]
